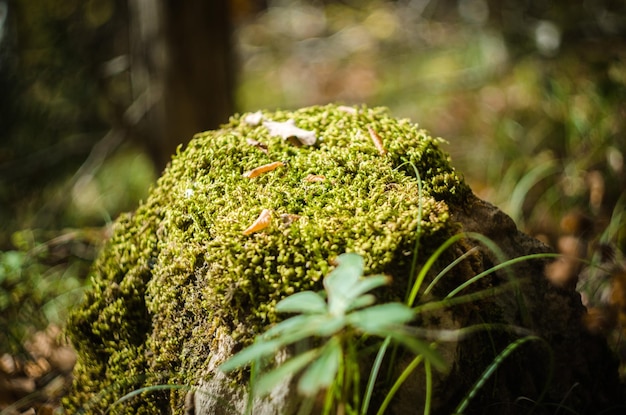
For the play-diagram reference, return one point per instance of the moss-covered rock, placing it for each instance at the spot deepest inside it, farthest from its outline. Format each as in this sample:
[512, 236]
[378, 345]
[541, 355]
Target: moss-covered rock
[186, 280]
[181, 267]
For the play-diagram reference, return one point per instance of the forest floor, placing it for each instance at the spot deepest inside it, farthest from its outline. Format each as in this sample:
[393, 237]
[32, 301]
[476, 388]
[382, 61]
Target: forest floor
[35, 382]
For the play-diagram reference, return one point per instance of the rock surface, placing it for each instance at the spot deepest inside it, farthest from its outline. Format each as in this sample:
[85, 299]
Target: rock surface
[194, 274]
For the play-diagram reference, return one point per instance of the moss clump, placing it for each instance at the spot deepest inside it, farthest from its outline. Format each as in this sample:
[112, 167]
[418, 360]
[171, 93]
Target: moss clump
[180, 266]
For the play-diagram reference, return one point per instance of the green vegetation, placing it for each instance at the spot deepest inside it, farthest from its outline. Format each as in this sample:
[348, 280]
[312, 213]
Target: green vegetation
[530, 98]
[335, 331]
[35, 289]
[333, 367]
[185, 249]
[538, 132]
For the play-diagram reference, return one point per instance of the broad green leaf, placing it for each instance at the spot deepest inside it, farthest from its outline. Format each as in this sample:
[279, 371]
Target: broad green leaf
[362, 301]
[287, 326]
[258, 350]
[330, 326]
[377, 318]
[268, 381]
[366, 284]
[341, 281]
[345, 275]
[317, 325]
[306, 302]
[306, 325]
[321, 373]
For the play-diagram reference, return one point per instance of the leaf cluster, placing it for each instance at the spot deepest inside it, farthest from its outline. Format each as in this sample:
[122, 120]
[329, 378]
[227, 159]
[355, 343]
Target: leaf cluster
[344, 310]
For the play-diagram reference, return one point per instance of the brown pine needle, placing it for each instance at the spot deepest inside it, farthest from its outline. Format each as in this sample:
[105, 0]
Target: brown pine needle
[378, 142]
[263, 169]
[260, 223]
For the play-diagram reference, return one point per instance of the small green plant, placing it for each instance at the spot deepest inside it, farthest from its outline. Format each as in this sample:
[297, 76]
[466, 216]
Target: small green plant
[334, 329]
[33, 294]
[343, 317]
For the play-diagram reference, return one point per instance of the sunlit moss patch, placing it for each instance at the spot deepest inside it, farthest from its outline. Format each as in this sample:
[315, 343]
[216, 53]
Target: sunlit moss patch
[185, 263]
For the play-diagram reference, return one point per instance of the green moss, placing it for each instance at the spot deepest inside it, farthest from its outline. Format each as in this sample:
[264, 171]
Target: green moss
[180, 266]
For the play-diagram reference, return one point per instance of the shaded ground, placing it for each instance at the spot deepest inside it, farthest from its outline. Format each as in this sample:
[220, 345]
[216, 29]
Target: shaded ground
[35, 383]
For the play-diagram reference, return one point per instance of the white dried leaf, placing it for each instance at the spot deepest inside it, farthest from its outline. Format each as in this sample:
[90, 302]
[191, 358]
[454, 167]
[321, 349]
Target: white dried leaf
[254, 118]
[288, 129]
[349, 110]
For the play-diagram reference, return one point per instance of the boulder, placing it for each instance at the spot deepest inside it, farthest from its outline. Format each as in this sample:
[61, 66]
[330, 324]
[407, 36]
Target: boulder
[258, 210]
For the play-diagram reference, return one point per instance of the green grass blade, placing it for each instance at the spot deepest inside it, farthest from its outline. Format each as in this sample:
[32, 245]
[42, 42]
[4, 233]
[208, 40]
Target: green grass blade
[139, 391]
[460, 409]
[495, 268]
[431, 260]
[399, 381]
[371, 381]
[429, 387]
[463, 299]
[616, 223]
[456, 335]
[421, 348]
[418, 230]
[429, 263]
[448, 268]
[523, 186]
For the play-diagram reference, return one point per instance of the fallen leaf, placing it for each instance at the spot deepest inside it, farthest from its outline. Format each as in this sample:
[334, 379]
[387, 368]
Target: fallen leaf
[253, 118]
[263, 169]
[378, 142]
[288, 129]
[261, 146]
[260, 223]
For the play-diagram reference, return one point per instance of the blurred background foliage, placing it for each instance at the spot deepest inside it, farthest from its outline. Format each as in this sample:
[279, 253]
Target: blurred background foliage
[530, 95]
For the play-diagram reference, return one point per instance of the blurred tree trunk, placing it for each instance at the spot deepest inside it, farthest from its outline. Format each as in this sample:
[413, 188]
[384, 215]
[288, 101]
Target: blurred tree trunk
[181, 71]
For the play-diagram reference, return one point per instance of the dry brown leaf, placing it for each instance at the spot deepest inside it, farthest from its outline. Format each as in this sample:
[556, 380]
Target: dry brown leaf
[378, 142]
[260, 223]
[263, 169]
[261, 146]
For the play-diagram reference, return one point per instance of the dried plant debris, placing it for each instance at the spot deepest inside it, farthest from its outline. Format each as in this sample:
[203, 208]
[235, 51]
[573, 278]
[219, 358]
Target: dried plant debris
[253, 119]
[263, 169]
[314, 178]
[289, 218]
[378, 142]
[254, 143]
[262, 222]
[288, 131]
[349, 110]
